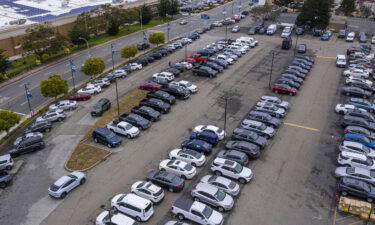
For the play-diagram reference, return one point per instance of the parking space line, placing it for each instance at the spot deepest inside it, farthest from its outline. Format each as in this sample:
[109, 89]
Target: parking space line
[360, 221]
[325, 57]
[299, 126]
[345, 217]
[334, 217]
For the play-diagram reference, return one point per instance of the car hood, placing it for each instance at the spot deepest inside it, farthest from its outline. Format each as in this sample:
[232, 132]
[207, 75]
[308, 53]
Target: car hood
[216, 218]
[281, 111]
[246, 172]
[133, 130]
[228, 200]
[116, 139]
[262, 141]
[340, 171]
[269, 130]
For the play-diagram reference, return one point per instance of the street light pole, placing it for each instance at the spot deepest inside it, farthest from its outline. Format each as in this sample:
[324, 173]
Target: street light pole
[226, 26]
[269, 82]
[28, 96]
[113, 69]
[88, 47]
[169, 28]
[295, 46]
[186, 51]
[226, 97]
[73, 69]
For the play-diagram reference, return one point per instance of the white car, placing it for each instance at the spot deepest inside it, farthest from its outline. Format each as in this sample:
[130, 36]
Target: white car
[353, 159]
[373, 40]
[344, 108]
[27, 136]
[188, 40]
[165, 75]
[102, 83]
[275, 100]
[217, 24]
[226, 185]
[217, 130]
[65, 184]
[350, 37]
[64, 105]
[361, 67]
[192, 157]
[356, 73]
[270, 106]
[132, 205]
[186, 84]
[52, 116]
[120, 73]
[187, 65]
[148, 191]
[90, 89]
[241, 45]
[355, 172]
[351, 79]
[225, 58]
[123, 128]
[232, 169]
[179, 168]
[286, 32]
[116, 219]
[135, 66]
[238, 48]
[356, 147]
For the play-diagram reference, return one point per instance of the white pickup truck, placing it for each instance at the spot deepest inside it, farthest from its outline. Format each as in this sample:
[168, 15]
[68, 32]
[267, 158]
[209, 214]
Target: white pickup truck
[123, 128]
[195, 211]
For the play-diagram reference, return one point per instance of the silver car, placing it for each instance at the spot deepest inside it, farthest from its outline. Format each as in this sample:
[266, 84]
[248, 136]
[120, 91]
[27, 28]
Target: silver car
[27, 136]
[64, 105]
[65, 184]
[213, 196]
[226, 185]
[275, 100]
[270, 107]
[355, 172]
[148, 191]
[258, 127]
[6, 162]
[52, 116]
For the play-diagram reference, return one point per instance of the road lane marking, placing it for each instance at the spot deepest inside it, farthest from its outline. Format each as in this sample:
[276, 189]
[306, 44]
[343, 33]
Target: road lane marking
[356, 222]
[334, 217]
[299, 126]
[345, 217]
[23, 103]
[325, 57]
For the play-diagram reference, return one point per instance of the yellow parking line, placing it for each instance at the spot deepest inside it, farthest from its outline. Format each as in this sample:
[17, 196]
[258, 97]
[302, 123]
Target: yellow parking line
[299, 126]
[356, 222]
[325, 57]
[334, 217]
[345, 217]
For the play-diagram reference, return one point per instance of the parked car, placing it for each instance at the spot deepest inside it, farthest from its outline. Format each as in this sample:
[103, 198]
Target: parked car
[302, 48]
[90, 89]
[79, 97]
[232, 169]
[105, 218]
[270, 107]
[123, 128]
[356, 173]
[250, 149]
[100, 107]
[106, 137]
[166, 180]
[42, 126]
[134, 206]
[135, 120]
[342, 34]
[236, 29]
[166, 75]
[162, 95]
[178, 167]
[150, 85]
[360, 130]
[27, 136]
[66, 184]
[224, 184]
[359, 138]
[5, 179]
[249, 136]
[204, 71]
[356, 147]
[26, 146]
[356, 91]
[362, 104]
[352, 159]
[101, 83]
[143, 45]
[213, 196]
[258, 127]
[284, 89]
[357, 121]
[217, 130]
[177, 91]
[6, 162]
[185, 84]
[264, 117]
[197, 145]
[344, 108]
[205, 135]
[361, 113]
[234, 155]
[64, 105]
[147, 112]
[156, 104]
[356, 187]
[192, 157]
[57, 115]
[148, 191]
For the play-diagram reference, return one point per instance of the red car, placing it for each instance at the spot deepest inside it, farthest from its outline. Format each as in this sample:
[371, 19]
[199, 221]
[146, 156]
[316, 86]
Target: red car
[284, 89]
[79, 97]
[236, 19]
[197, 57]
[150, 85]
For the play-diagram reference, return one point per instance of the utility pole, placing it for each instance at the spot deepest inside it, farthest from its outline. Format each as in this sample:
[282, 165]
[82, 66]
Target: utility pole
[113, 69]
[226, 98]
[87, 45]
[295, 46]
[226, 26]
[28, 96]
[269, 82]
[185, 51]
[73, 69]
[169, 28]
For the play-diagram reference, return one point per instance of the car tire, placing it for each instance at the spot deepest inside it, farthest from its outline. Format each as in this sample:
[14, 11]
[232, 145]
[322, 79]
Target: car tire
[290, 93]
[347, 165]
[96, 140]
[3, 185]
[194, 164]
[138, 219]
[221, 209]
[242, 181]
[83, 180]
[347, 94]
[115, 209]
[218, 173]
[71, 109]
[47, 130]
[170, 190]
[63, 195]
[8, 168]
[197, 199]
[180, 216]
[211, 76]
[275, 91]
[95, 92]
[152, 119]
[173, 158]
[162, 169]
[344, 193]
[128, 136]
[183, 177]
[109, 145]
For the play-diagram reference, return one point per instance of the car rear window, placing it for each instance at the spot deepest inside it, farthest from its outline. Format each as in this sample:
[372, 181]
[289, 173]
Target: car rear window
[148, 208]
[54, 187]
[232, 185]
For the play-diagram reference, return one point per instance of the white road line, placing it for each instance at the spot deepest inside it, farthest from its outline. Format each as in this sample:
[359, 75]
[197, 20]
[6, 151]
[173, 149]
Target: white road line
[23, 103]
[22, 114]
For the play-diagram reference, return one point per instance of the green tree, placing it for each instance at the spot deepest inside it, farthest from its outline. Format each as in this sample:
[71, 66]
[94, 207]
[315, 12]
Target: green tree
[78, 32]
[347, 7]
[173, 9]
[54, 86]
[93, 66]
[146, 14]
[4, 62]
[163, 8]
[8, 119]
[41, 39]
[315, 13]
[113, 27]
[129, 51]
[282, 2]
[365, 11]
[157, 38]
[265, 12]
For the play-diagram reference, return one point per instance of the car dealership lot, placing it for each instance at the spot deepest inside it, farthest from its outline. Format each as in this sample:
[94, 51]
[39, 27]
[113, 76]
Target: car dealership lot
[293, 181]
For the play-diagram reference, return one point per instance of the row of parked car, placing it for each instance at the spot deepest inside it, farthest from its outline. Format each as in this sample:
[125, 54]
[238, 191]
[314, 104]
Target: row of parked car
[293, 77]
[356, 156]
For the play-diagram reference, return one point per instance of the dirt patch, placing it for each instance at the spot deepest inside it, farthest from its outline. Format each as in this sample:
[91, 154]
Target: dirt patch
[86, 156]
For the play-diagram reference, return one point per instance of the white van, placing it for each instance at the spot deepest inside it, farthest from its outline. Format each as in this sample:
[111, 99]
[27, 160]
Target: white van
[341, 61]
[132, 205]
[253, 41]
[271, 29]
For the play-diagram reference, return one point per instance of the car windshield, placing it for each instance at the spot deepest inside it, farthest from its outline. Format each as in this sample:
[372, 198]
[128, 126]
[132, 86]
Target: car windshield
[262, 126]
[54, 187]
[188, 84]
[350, 170]
[369, 161]
[110, 135]
[367, 187]
[253, 136]
[220, 195]
[207, 212]
[232, 185]
[365, 149]
[128, 127]
[238, 168]
[188, 167]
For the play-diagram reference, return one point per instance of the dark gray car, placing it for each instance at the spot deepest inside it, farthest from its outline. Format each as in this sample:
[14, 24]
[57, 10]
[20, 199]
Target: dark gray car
[27, 145]
[298, 68]
[234, 155]
[360, 113]
[357, 121]
[136, 120]
[5, 179]
[249, 136]
[264, 118]
[251, 150]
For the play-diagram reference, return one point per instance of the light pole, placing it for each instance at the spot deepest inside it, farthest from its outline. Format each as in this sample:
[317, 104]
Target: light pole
[168, 28]
[226, 98]
[226, 26]
[295, 46]
[113, 69]
[269, 82]
[186, 51]
[73, 69]
[88, 47]
[28, 96]
[111, 212]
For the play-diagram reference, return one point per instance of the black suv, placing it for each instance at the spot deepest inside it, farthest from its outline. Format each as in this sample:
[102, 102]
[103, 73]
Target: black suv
[357, 121]
[136, 120]
[106, 137]
[360, 113]
[143, 45]
[162, 95]
[359, 188]
[178, 92]
[5, 179]
[204, 71]
[43, 126]
[28, 145]
[288, 82]
[249, 136]
[100, 107]
[166, 180]
[147, 112]
[157, 104]
[214, 66]
[155, 55]
[264, 118]
[362, 85]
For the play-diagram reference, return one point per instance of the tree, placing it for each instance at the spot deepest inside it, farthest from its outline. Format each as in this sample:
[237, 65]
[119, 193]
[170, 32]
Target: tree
[8, 119]
[146, 14]
[163, 8]
[41, 39]
[78, 32]
[157, 38]
[4, 62]
[347, 7]
[113, 27]
[365, 11]
[93, 66]
[54, 86]
[129, 51]
[282, 2]
[315, 13]
[173, 9]
[265, 12]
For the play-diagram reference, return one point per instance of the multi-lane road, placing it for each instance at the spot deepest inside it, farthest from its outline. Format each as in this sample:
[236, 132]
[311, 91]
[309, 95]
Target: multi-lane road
[12, 96]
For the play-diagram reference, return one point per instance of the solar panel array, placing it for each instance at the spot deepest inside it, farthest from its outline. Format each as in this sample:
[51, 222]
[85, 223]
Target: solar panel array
[22, 9]
[72, 12]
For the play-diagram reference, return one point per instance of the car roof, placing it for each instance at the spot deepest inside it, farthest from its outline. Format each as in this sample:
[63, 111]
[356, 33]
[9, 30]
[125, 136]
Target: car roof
[352, 143]
[136, 201]
[5, 157]
[350, 135]
[206, 188]
[62, 180]
[353, 155]
[226, 162]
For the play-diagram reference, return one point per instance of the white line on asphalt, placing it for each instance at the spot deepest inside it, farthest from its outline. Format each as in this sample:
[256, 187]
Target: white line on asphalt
[22, 114]
[23, 103]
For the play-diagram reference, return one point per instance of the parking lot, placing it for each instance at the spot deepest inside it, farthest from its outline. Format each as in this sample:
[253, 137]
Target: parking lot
[293, 183]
